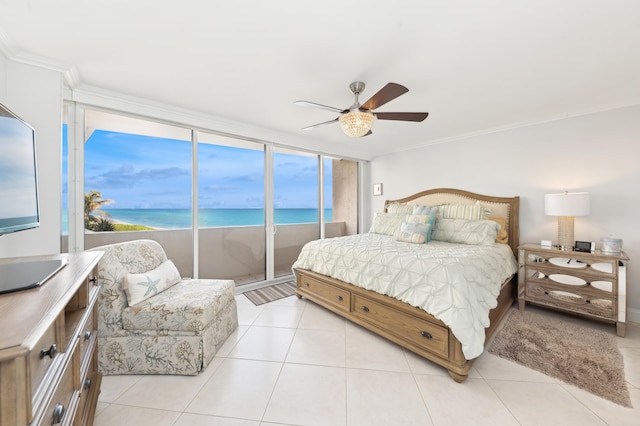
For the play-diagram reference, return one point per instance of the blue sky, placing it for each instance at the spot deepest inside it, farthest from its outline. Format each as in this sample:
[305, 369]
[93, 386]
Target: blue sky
[148, 172]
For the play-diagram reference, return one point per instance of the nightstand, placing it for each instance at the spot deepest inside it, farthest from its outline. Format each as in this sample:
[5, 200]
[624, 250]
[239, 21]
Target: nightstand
[592, 285]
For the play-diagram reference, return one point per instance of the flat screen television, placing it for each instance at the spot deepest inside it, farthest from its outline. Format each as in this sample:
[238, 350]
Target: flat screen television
[19, 206]
[19, 209]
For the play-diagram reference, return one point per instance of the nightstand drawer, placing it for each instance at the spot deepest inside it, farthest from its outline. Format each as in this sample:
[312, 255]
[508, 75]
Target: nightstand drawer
[571, 299]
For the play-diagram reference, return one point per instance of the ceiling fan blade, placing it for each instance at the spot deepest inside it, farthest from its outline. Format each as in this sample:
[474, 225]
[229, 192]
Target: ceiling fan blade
[401, 116]
[313, 104]
[384, 95]
[320, 124]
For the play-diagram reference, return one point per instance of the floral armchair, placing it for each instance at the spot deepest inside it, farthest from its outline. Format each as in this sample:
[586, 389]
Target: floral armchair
[177, 330]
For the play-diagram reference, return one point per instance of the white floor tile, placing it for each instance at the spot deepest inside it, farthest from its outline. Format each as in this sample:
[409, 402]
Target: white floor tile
[238, 388]
[304, 365]
[608, 411]
[177, 391]
[279, 316]
[318, 347]
[493, 367]
[369, 351]
[264, 343]
[114, 386]
[116, 414]
[471, 402]
[384, 398]
[308, 395]
[631, 365]
[232, 340]
[543, 404]
[318, 318]
[189, 419]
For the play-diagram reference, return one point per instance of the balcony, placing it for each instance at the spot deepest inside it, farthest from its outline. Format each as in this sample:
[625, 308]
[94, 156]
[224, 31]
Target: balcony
[235, 252]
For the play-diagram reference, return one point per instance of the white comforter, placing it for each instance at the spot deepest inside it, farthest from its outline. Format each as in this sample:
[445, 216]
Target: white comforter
[456, 283]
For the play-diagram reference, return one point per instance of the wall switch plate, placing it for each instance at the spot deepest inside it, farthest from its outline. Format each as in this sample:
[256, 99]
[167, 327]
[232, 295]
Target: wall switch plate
[545, 244]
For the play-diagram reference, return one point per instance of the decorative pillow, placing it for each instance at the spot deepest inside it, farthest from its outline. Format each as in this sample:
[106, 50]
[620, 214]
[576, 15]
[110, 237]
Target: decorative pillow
[386, 223]
[430, 210]
[140, 287]
[503, 235]
[424, 219]
[463, 231]
[464, 211]
[399, 208]
[415, 233]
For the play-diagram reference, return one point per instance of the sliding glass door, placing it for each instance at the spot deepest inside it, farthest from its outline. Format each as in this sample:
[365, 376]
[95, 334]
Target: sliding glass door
[231, 209]
[296, 205]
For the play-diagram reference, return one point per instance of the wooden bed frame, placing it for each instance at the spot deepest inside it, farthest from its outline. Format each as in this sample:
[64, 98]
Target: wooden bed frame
[408, 326]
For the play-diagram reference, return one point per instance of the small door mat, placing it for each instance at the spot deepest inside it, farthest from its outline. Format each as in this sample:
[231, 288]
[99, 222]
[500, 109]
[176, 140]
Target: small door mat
[271, 293]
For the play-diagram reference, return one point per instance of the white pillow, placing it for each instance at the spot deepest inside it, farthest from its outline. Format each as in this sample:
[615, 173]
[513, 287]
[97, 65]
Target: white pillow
[386, 223]
[415, 233]
[140, 287]
[463, 231]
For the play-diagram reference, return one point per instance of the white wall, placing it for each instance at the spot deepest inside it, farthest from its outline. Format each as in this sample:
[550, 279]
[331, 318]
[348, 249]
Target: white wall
[35, 95]
[598, 153]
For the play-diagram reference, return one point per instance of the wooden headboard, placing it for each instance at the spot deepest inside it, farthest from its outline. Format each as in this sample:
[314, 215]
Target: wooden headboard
[506, 207]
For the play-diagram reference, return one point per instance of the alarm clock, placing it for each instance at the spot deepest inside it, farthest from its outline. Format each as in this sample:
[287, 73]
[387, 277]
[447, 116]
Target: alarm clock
[585, 246]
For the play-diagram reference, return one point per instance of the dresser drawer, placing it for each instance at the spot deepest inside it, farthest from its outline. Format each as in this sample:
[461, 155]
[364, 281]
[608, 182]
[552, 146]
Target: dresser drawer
[407, 327]
[62, 407]
[87, 331]
[44, 352]
[325, 292]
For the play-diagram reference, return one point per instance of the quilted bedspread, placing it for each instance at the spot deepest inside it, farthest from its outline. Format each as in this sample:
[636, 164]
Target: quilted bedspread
[456, 283]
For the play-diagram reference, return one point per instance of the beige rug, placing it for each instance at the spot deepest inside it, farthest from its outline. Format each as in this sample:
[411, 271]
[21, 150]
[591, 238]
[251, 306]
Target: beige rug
[575, 354]
[271, 293]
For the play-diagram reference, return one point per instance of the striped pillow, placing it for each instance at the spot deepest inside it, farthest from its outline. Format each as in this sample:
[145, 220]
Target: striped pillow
[399, 208]
[464, 211]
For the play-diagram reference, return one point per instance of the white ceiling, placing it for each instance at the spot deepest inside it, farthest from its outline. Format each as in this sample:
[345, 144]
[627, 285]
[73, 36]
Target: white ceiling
[475, 66]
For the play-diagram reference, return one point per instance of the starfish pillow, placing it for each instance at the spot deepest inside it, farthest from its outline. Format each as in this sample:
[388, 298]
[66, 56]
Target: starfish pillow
[139, 287]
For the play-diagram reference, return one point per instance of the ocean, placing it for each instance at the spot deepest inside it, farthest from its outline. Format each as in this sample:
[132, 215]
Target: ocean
[181, 218]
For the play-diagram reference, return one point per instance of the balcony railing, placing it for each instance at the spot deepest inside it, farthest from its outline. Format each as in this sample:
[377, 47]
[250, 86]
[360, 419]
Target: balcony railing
[235, 252]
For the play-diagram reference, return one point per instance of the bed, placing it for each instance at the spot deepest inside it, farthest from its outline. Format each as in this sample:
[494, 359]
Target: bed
[375, 281]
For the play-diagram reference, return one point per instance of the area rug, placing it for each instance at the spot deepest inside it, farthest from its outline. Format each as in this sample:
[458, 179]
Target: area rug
[575, 354]
[271, 293]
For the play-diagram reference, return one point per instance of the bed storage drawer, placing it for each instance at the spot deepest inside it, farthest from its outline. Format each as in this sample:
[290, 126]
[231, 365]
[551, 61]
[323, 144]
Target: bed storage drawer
[429, 336]
[324, 292]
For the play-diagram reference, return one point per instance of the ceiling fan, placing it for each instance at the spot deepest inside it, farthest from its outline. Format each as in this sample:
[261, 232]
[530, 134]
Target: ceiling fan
[356, 120]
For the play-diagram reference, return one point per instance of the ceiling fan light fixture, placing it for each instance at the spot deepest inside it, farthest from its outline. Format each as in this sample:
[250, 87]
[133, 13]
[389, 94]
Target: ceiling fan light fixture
[356, 123]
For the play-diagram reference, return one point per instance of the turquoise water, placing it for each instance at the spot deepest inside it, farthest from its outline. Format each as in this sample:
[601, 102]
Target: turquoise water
[181, 218]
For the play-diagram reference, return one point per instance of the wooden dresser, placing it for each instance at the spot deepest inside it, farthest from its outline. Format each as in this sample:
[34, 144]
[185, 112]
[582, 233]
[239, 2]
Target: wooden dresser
[48, 348]
[592, 285]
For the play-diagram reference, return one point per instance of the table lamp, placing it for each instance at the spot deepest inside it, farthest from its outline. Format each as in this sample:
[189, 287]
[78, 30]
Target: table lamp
[566, 206]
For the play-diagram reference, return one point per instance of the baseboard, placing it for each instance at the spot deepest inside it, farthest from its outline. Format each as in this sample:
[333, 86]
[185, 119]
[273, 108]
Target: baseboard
[633, 315]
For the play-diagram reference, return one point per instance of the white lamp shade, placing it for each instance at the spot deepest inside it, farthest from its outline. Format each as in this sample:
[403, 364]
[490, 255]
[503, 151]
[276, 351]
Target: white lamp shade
[567, 204]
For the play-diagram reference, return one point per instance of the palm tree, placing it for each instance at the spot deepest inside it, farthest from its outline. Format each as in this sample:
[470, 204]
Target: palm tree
[92, 202]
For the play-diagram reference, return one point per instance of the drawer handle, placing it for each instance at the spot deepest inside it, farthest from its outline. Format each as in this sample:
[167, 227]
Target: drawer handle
[306, 283]
[93, 280]
[53, 350]
[364, 308]
[87, 383]
[87, 335]
[58, 414]
[340, 299]
[426, 335]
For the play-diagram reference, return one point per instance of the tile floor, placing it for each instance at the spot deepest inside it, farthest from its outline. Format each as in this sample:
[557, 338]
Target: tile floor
[294, 363]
